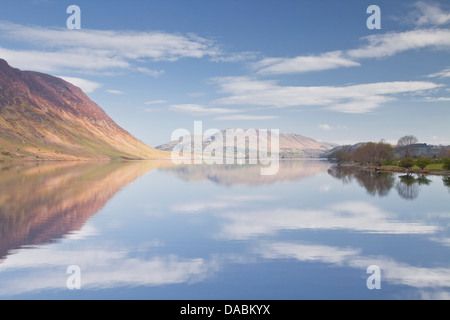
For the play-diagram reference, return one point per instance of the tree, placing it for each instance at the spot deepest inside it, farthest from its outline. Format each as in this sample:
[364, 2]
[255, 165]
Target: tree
[446, 165]
[422, 163]
[404, 145]
[374, 153]
[342, 155]
[407, 163]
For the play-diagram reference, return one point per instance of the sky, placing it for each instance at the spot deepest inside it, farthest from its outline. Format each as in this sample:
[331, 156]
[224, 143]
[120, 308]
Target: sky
[313, 68]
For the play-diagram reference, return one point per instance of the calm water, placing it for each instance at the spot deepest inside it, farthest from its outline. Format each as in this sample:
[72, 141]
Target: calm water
[150, 230]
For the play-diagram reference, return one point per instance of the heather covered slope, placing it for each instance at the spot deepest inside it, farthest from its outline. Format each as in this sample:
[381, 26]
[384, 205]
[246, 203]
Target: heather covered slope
[46, 118]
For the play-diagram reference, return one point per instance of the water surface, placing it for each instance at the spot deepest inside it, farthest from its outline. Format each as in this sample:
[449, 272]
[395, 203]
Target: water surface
[152, 230]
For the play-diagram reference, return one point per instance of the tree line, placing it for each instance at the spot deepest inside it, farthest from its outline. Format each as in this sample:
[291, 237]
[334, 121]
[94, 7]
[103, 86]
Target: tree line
[382, 154]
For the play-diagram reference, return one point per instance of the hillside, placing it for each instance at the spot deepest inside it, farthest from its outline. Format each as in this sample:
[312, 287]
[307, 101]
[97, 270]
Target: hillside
[46, 118]
[291, 145]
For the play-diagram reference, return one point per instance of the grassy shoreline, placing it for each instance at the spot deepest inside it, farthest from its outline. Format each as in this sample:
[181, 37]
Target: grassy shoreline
[432, 169]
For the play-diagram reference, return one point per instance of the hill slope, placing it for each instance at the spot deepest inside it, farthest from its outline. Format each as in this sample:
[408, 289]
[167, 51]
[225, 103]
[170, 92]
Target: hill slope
[44, 117]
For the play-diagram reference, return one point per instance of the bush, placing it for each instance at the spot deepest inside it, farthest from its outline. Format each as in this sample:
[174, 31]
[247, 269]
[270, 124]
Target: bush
[446, 165]
[406, 163]
[422, 163]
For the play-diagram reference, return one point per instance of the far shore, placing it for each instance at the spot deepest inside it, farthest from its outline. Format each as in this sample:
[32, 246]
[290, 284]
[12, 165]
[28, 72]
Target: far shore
[395, 170]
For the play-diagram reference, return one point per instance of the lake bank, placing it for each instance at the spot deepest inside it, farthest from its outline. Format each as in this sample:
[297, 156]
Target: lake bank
[397, 170]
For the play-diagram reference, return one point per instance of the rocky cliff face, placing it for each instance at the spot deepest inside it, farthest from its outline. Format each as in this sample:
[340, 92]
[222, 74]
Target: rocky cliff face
[44, 117]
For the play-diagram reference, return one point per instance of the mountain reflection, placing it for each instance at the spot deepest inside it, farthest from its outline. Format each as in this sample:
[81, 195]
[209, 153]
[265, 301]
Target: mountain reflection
[40, 203]
[381, 183]
[249, 175]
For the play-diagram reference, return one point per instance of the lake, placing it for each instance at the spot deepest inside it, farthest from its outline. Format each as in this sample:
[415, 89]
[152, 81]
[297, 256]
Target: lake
[153, 230]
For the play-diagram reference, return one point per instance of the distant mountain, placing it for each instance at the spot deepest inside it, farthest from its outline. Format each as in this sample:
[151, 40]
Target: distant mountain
[291, 145]
[44, 117]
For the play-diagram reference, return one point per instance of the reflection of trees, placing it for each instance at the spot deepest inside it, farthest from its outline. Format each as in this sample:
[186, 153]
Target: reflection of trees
[375, 183]
[408, 187]
[380, 183]
[345, 174]
[423, 180]
[446, 181]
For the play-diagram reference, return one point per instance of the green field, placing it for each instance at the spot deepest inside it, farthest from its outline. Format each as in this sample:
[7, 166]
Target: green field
[431, 167]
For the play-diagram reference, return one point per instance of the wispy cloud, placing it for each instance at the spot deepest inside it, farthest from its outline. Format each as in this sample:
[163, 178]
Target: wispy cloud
[326, 61]
[436, 99]
[235, 57]
[389, 44]
[376, 46]
[85, 85]
[325, 127]
[99, 50]
[360, 98]
[116, 92]
[430, 14]
[153, 102]
[243, 117]
[442, 74]
[195, 109]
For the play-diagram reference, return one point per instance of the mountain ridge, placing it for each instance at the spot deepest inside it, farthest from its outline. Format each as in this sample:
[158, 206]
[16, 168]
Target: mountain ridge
[43, 117]
[292, 145]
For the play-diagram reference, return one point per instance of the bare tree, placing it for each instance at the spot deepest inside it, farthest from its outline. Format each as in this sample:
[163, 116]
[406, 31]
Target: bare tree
[404, 145]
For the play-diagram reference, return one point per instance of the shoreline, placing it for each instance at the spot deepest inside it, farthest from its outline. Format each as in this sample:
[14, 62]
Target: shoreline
[396, 170]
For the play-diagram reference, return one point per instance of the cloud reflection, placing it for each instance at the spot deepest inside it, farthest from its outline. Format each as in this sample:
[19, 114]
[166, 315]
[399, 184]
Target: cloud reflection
[355, 216]
[392, 271]
[100, 269]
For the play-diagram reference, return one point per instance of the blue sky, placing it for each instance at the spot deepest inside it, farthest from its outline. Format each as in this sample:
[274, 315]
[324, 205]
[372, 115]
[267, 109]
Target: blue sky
[307, 67]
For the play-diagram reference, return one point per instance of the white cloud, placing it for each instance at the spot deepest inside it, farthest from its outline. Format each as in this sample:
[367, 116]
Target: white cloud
[201, 110]
[442, 74]
[235, 57]
[149, 72]
[85, 85]
[243, 117]
[389, 44]
[87, 49]
[67, 60]
[326, 61]
[436, 99]
[360, 98]
[196, 94]
[117, 92]
[155, 102]
[325, 127]
[430, 14]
